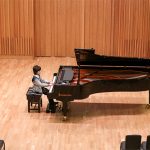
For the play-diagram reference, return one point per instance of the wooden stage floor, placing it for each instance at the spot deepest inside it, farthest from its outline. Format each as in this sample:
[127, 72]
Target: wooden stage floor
[99, 122]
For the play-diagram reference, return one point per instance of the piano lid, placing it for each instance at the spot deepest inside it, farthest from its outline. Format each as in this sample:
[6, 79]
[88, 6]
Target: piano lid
[88, 57]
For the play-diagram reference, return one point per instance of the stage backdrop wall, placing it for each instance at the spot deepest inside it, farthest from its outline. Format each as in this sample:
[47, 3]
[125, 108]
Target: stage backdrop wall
[56, 27]
[16, 27]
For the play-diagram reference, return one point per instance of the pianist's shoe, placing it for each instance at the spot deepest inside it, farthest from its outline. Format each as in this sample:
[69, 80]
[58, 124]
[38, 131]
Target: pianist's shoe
[48, 108]
[51, 107]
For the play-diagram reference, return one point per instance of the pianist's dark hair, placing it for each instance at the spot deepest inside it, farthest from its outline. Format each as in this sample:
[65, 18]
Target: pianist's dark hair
[36, 68]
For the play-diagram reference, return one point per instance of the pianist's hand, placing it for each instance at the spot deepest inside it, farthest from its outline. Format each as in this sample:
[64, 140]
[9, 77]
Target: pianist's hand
[50, 83]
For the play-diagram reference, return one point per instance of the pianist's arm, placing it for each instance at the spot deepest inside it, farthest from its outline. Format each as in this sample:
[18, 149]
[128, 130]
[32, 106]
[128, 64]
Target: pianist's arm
[39, 83]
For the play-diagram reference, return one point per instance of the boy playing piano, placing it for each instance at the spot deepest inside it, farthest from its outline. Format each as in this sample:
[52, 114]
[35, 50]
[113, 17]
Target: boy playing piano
[39, 86]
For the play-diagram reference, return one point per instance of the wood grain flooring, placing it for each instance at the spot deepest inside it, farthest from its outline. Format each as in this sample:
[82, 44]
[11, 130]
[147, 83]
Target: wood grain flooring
[99, 122]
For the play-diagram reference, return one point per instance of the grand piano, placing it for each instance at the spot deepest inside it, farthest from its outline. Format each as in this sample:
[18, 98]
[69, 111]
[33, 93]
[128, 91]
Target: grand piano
[98, 73]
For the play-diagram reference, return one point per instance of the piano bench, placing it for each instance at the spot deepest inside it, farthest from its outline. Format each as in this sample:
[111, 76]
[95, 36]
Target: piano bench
[2, 145]
[34, 101]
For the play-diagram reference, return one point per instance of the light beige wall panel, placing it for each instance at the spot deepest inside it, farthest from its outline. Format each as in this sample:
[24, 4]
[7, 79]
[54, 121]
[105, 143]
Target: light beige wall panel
[131, 28]
[59, 27]
[99, 19]
[16, 30]
[56, 27]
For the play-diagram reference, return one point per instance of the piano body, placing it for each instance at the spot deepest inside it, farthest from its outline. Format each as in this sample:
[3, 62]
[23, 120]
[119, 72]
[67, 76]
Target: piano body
[96, 73]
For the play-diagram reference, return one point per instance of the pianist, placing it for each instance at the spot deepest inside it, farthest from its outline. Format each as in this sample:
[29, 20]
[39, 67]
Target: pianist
[39, 86]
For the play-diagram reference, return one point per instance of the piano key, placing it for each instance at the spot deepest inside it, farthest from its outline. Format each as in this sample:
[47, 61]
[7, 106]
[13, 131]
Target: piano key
[53, 81]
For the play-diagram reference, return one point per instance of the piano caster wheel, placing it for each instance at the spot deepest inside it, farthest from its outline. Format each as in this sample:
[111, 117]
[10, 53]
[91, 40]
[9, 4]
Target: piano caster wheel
[147, 106]
[64, 118]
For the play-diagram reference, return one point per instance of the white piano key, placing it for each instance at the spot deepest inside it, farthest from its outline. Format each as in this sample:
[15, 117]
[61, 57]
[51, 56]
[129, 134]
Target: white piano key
[51, 87]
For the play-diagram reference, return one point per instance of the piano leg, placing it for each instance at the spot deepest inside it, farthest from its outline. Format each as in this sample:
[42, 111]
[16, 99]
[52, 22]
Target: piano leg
[149, 97]
[148, 105]
[65, 110]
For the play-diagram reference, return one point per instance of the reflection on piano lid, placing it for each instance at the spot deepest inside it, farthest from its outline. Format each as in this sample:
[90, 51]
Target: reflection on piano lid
[66, 75]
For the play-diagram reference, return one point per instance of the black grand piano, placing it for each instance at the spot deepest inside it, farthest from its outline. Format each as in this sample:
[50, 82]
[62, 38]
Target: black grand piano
[98, 73]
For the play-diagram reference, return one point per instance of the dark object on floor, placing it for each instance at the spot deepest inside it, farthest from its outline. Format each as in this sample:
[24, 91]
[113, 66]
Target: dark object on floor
[146, 144]
[2, 145]
[132, 142]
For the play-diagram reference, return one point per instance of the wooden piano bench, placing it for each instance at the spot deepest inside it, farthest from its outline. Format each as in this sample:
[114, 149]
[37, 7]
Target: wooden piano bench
[2, 145]
[34, 101]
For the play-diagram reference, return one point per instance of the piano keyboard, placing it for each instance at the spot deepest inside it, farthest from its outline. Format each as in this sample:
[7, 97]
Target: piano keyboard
[51, 87]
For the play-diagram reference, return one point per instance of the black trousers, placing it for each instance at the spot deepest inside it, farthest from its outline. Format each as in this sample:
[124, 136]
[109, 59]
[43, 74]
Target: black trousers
[51, 105]
[45, 92]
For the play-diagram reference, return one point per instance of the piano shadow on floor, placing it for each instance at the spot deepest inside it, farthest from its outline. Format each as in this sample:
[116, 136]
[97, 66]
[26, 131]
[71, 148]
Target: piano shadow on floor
[84, 109]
